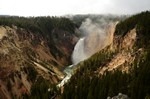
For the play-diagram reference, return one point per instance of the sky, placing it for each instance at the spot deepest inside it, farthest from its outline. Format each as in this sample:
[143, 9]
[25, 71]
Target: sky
[65, 7]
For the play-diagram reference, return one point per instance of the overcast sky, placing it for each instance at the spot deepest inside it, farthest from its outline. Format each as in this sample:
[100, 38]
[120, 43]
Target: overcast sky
[63, 7]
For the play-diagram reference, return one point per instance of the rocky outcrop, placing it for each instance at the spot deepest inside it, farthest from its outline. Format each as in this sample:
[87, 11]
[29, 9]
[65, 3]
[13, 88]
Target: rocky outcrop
[125, 55]
[2, 32]
[119, 96]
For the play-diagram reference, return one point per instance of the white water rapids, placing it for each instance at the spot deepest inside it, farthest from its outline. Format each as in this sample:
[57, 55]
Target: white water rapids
[69, 71]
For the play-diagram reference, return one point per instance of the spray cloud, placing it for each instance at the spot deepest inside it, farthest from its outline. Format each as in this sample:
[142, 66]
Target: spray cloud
[96, 34]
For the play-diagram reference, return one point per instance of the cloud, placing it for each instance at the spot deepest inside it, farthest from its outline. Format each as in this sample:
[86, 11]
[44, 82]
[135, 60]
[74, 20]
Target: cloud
[128, 6]
[61, 7]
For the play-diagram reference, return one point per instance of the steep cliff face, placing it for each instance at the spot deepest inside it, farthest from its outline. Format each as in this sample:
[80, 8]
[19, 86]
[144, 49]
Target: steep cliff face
[125, 53]
[25, 56]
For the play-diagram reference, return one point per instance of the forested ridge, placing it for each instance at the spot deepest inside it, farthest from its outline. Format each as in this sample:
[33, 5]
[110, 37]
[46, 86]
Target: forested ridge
[139, 21]
[43, 25]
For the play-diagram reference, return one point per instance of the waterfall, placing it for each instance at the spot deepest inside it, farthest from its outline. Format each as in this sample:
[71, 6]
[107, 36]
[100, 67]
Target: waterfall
[78, 52]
